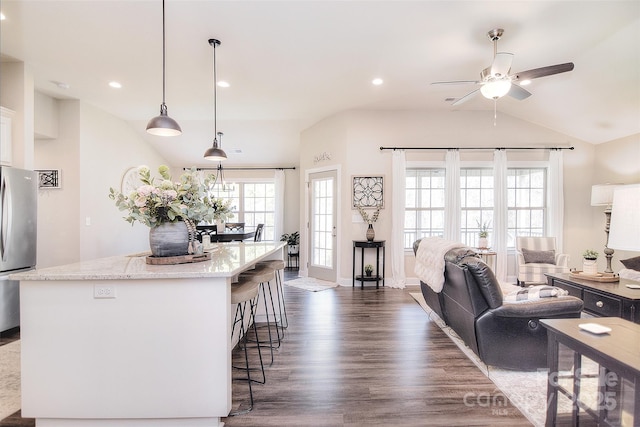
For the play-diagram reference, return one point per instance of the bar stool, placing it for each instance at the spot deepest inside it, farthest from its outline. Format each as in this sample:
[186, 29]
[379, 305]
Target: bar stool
[264, 275]
[278, 266]
[243, 292]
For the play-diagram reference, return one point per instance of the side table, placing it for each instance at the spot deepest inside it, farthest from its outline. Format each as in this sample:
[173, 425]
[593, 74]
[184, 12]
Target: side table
[489, 257]
[366, 244]
[617, 401]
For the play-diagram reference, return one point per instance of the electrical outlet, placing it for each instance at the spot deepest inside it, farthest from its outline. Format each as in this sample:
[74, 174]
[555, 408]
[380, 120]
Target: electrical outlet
[104, 291]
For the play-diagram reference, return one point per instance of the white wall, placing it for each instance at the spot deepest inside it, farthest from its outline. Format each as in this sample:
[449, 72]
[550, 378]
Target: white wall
[354, 139]
[16, 93]
[93, 150]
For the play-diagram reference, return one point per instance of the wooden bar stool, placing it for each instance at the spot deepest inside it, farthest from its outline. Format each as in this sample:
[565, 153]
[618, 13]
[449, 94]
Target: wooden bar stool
[278, 266]
[243, 292]
[264, 275]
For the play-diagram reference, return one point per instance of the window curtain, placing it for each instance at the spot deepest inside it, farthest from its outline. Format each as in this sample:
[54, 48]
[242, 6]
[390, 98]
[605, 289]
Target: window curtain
[452, 196]
[278, 219]
[399, 161]
[500, 213]
[556, 197]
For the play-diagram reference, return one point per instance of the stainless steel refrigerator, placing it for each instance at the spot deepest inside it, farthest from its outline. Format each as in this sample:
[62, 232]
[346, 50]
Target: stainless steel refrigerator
[18, 232]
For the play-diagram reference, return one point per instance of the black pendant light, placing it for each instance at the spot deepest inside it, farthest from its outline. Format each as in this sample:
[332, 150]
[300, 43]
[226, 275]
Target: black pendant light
[163, 125]
[215, 153]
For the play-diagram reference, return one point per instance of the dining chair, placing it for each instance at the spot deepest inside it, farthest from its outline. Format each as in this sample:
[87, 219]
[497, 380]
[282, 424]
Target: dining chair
[258, 236]
[234, 226]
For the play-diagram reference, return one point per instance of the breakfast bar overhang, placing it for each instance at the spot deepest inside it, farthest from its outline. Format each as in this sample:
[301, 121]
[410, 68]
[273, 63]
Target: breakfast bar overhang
[116, 341]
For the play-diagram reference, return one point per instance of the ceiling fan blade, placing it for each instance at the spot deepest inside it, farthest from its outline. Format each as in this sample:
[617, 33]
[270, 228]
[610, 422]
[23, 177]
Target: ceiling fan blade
[501, 64]
[542, 72]
[518, 92]
[456, 82]
[466, 98]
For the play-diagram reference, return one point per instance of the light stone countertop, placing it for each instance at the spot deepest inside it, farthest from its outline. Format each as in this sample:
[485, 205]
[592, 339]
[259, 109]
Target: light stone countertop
[227, 260]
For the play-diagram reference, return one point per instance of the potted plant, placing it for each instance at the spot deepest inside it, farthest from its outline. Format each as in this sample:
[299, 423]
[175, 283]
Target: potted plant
[368, 270]
[589, 262]
[171, 209]
[483, 242]
[293, 242]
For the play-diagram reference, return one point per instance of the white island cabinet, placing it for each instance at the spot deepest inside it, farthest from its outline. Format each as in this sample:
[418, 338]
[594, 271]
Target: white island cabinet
[118, 342]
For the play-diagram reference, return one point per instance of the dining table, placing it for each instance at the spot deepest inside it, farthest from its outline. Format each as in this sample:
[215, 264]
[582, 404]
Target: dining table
[228, 235]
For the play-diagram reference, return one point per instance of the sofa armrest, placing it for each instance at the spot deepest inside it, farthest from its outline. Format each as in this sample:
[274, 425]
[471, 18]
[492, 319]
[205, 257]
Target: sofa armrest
[542, 308]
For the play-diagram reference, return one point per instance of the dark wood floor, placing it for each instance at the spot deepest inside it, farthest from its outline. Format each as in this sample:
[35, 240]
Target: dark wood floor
[353, 357]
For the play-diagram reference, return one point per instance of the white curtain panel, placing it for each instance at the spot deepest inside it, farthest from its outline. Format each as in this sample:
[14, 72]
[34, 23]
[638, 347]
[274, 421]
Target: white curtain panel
[556, 198]
[279, 179]
[399, 164]
[500, 213]
[452, 196]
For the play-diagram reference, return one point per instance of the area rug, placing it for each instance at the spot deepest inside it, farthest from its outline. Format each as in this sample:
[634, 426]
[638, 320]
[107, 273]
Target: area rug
[525, 390]
[311, 284]
[9, 379]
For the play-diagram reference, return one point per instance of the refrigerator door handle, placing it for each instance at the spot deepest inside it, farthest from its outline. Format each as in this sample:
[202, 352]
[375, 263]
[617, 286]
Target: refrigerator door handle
[5, 199]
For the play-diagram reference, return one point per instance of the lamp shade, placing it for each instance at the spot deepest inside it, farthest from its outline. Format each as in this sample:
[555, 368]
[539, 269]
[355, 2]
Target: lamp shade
[163, 125]
[624, 233]
[602, 194]
[215, 154]
[496, 88]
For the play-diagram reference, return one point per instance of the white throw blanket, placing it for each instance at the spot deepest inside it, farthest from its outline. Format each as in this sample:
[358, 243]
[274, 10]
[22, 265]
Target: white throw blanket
[430, 260]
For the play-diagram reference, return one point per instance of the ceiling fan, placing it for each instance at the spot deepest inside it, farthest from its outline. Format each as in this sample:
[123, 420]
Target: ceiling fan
[497, 81]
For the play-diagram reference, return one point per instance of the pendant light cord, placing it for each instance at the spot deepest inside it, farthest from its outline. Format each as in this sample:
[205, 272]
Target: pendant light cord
[215, 94]
[163, 57]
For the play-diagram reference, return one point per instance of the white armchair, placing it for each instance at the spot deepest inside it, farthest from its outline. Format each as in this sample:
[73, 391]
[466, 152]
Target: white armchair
[537, 256]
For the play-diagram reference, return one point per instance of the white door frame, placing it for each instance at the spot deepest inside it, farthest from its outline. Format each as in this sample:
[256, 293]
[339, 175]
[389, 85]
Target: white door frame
[304, 238]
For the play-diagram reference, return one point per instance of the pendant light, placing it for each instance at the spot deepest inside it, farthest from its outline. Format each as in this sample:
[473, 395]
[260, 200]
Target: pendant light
[163, 125]
[215, 153]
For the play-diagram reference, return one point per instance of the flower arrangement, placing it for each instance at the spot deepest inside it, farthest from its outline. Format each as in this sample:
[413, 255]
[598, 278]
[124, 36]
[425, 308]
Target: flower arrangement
[166, 201]
[590, 254]
[368, 269]
[365, 215]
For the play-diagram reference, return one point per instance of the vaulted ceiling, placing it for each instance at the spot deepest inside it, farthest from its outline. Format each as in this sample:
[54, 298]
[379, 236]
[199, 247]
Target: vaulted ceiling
[293, 63]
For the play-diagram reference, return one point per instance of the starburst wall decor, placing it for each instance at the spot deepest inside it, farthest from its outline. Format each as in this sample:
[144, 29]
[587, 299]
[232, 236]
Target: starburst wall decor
[368, 191]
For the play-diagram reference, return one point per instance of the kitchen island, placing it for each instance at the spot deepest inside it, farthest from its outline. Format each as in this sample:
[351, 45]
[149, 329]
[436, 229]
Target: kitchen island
[116, 341]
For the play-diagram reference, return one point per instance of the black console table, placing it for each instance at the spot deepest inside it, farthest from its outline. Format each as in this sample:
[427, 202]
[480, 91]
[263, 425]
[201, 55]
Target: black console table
[602, 299]
[366, 244]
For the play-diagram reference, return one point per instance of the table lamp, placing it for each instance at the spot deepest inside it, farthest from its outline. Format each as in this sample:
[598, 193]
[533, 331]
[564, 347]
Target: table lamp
[625, 218]
[602, 195]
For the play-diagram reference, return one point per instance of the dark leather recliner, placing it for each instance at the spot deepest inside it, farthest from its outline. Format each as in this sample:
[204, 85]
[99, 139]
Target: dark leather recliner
[505, 335]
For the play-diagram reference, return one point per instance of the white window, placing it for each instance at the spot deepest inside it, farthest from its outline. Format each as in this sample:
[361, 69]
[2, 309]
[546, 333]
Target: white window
[252, 203]
[424, 209]
[425, 202]
[526, 200]
[476, 202]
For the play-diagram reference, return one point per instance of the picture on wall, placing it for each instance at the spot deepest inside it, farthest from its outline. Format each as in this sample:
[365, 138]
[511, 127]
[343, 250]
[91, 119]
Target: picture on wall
[48, 178]
[368, 191]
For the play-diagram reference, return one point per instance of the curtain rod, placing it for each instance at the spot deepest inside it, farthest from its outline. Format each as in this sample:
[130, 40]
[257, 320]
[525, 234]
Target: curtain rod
[476, 148]
[243, 169]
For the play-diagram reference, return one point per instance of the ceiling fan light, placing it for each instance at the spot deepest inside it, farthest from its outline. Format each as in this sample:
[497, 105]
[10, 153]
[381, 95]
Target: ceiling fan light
[495, 89]
[163, 125]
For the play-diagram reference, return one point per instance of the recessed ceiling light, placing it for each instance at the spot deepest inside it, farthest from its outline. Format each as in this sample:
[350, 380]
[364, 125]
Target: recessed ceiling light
[525, 82]
[377, 82]
[222, 83]
[115, 85]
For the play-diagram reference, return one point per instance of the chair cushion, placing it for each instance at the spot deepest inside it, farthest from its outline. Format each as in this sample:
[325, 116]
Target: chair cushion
[533, 293]
[632, 263]
[539, 257]
[486, 280]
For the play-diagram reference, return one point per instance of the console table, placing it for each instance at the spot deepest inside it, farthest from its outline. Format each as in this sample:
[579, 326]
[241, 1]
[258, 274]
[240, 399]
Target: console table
[601, 299]
[366, 244]
[617, 354]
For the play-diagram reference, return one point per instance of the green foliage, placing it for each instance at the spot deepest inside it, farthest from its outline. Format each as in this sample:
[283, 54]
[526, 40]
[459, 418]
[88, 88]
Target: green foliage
[368, 269]
[484, 229]
[291, 239]
[154, 203]
[590, 254]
